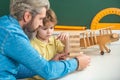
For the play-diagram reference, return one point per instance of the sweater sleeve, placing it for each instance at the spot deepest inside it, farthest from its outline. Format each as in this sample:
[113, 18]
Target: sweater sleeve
[24, 72]
[19, 49]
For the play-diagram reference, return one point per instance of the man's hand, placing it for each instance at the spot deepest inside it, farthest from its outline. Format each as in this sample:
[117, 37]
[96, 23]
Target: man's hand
[83, 61]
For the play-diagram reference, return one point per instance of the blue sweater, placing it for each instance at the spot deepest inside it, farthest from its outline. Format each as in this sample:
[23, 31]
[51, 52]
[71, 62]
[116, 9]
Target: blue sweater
[15, 49]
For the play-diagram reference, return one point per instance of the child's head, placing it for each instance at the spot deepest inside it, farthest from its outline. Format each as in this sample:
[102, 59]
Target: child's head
[45, 31]
[50, 18]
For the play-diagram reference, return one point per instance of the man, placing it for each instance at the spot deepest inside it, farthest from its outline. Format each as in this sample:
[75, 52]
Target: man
[15, 47]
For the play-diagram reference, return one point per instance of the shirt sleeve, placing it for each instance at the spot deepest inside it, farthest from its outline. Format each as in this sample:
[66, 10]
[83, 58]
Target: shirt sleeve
[18, 48]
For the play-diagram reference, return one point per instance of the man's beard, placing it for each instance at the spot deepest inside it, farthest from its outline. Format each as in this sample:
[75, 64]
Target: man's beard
[30, 34]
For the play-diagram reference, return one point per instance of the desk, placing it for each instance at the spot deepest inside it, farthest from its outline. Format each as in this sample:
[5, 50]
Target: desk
[102, 67]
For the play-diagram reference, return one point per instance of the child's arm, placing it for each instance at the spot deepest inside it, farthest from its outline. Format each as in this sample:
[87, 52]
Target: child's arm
[64, 38]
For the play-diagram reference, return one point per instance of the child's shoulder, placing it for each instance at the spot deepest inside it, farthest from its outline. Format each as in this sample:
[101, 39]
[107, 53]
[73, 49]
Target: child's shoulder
[35, 40]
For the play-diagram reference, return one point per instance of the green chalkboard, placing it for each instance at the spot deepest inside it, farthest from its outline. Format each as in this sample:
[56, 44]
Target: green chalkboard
[81, 12]
[75, 12]
[4, 7]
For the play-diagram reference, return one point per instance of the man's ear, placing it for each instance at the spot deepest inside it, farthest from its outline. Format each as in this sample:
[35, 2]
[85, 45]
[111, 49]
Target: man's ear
[27, 16]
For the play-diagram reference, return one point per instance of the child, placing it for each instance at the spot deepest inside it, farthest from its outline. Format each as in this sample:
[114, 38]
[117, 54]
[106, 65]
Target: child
[46, 44]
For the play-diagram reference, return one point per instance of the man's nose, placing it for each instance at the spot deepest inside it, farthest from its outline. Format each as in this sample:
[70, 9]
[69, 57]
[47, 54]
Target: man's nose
[41, 23]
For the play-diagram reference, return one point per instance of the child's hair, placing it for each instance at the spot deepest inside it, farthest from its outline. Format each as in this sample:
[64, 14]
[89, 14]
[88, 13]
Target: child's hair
[50, 17]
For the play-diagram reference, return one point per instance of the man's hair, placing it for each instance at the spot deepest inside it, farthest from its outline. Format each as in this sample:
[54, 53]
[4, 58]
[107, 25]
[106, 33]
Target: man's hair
[19, 7]
[50, 17]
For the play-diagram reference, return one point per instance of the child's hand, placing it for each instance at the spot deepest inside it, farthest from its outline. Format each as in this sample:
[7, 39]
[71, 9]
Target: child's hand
[61, 56]
[63, 37]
